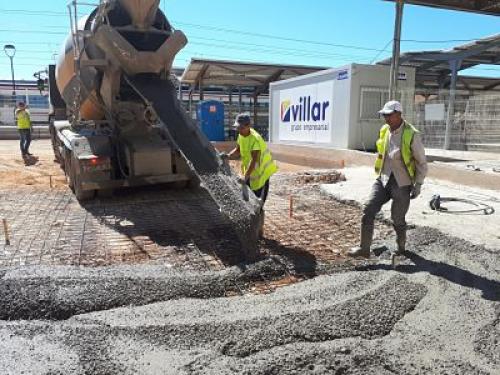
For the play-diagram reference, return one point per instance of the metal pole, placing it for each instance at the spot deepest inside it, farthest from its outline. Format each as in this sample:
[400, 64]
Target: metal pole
[393, 83]
[239, 100]
[230, 109]
[191, 101]
[230, 105]
[255, 102]
[12, 74]
[200, 90]
[454, 66]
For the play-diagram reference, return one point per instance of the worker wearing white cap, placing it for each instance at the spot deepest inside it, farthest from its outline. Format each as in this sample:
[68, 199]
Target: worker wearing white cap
[401, 168]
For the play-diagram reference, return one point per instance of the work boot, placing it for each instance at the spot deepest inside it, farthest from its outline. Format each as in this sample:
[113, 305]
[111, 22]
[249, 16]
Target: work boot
[366, 236]
[400, 241]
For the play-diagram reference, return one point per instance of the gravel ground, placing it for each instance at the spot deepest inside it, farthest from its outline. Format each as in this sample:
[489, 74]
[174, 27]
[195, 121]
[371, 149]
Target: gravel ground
[437, 313]
[474, 227]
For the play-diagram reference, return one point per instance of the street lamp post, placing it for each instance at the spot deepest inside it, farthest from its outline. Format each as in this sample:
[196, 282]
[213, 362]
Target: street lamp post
[10, 51]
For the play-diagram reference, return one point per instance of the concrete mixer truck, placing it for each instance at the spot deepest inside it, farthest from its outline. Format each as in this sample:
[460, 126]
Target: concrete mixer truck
[116, 120]
[105, 132]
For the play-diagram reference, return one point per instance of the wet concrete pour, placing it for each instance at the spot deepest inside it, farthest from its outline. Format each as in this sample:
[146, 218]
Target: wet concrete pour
[437, 315]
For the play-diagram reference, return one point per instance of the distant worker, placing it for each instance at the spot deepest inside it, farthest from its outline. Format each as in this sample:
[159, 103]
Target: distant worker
[257, 164]
[23, 120]
[401, 168]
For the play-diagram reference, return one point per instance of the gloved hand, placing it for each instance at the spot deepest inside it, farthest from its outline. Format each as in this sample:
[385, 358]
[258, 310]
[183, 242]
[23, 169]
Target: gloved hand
[415, 191]
[243, 180]
[224, 156]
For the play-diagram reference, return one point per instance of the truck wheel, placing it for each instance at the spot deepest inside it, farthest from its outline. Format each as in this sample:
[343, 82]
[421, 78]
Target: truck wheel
[55, 142]
[81, 195]
[105, 193]
[67, 169]
[179, 185]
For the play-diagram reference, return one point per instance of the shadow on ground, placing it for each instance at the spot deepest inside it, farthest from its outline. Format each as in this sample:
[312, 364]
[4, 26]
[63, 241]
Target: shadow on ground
[297, 260]
[490, 288]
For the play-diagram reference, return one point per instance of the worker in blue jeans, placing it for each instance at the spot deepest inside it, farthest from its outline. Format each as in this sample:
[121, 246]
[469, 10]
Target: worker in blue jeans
[23, 121]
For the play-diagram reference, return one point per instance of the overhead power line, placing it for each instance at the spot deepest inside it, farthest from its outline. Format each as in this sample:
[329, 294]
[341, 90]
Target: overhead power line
[313, 41]
[213, 28]
[270, 51]
[439, 41]
[240, 32]
[381, 51]
[33, 32]
[28, 12]
[25, 64]
[29, 43]
[269, 36]
[33, 12]
[277, 48]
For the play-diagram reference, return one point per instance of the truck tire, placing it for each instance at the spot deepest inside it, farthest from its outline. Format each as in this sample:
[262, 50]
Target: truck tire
[105, 193]
[66, 165]
[179, 185]
[81, 195]
[55, 142]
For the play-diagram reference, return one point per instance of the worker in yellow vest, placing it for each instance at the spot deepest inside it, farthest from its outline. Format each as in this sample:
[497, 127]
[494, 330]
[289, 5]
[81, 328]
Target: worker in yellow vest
[257, 164]
[401, 168]
[23, 120]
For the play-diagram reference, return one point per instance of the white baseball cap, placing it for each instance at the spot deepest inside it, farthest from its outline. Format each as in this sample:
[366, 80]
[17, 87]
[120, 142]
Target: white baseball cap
[390, 107]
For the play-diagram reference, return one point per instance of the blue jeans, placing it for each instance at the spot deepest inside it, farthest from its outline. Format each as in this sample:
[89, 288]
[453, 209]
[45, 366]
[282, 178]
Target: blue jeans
[25, 140]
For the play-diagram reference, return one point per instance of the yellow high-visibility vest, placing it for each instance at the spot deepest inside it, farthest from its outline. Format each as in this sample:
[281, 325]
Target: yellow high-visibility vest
[265, 166]
[23, 119]
[406, 138]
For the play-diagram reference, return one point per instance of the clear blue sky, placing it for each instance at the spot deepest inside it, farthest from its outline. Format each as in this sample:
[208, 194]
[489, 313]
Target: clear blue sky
[320, 32]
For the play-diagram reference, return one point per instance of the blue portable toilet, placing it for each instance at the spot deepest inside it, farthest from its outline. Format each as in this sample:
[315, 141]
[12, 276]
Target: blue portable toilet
[211, 119]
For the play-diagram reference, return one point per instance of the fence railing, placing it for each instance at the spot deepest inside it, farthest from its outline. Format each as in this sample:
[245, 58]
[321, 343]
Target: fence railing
[474, 123]
[38, 106]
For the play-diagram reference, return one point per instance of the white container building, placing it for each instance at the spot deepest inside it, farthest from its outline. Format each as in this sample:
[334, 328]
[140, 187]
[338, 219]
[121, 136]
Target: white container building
[335, 108]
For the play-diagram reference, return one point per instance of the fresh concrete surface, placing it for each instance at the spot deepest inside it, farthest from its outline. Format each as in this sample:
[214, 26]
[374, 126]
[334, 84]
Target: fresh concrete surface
[476, 228]
[436, 313]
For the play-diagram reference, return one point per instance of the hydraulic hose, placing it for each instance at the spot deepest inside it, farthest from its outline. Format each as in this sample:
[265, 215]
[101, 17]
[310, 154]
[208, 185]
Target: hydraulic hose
[436, 204]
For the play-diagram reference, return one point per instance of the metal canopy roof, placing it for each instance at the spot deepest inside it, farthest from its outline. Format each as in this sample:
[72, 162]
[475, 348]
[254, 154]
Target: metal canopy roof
[438, 63]
[240, 74]
[490, 7]
[426, 84]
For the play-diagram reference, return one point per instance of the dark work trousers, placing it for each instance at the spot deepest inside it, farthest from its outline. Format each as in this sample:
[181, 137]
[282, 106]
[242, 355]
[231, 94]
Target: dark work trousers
[380, 195]
[25, 140]
[262, 192]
